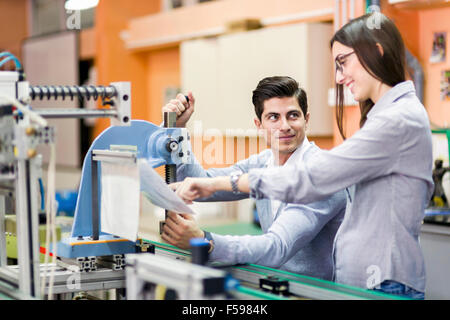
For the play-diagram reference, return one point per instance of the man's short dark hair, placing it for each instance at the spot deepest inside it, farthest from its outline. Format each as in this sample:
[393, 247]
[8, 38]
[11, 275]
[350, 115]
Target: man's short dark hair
[278, 87]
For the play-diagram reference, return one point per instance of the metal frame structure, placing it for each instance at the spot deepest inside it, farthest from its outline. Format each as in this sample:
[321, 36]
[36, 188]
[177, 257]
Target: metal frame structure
[298, 287]
[21, 164]
[190, 281]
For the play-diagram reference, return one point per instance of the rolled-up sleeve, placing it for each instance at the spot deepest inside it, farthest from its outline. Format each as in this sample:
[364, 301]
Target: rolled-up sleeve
[294, 228]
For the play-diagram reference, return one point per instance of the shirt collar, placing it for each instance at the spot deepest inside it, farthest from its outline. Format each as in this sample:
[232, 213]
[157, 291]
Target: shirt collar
[392, 95]
[298, 154]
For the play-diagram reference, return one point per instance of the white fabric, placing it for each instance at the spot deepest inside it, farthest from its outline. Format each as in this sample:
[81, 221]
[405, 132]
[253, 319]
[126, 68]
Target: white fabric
[120, 200]
[157, 191]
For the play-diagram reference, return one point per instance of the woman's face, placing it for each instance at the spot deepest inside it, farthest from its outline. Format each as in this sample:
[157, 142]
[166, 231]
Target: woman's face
[352, 73]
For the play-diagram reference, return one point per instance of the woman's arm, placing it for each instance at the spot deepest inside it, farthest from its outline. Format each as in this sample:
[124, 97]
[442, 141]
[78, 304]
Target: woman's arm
[371, 152]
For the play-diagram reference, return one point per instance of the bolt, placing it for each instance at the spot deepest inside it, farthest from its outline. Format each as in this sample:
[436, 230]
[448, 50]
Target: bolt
[30, 131]
[31, 153]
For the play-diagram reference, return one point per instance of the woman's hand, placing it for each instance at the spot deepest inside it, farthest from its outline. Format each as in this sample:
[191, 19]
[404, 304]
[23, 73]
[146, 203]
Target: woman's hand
[194, 188]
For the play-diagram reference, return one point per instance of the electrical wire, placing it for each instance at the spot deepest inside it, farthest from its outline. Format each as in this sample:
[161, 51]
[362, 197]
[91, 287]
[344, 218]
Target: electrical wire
[26, 111]
[10, 57]
[41, 189]
[51, 235]
[51, 201]
[5, 54]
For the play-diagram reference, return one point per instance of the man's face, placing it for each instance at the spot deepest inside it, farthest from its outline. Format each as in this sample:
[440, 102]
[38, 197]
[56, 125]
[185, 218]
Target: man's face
[283, 123]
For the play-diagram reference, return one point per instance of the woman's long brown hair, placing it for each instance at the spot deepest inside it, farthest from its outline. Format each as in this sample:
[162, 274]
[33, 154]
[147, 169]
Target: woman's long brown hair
[362, 35]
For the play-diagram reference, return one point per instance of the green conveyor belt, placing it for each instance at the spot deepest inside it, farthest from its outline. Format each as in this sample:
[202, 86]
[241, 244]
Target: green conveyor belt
[235, 229]
[294, 279]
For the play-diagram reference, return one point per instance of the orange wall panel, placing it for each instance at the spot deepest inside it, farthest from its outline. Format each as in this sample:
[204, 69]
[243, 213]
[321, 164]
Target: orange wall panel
[113, 60]
[407, 21]
[431, 21]
[87, 44]
[163, 71]
[13, 25]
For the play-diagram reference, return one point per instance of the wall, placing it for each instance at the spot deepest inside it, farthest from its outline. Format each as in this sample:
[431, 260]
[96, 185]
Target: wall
[163, 71]
[13, 25]
[152, 71]
[163, 61]
[211, 18]
[417, 26]
[435, 20]
[113, 61]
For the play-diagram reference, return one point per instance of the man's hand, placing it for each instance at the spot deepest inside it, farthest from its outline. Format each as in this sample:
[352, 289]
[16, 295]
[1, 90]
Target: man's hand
[179, 229]
[182, 107]
[194, 188]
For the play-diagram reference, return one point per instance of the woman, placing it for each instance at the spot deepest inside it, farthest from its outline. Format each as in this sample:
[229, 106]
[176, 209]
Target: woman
[387, 164]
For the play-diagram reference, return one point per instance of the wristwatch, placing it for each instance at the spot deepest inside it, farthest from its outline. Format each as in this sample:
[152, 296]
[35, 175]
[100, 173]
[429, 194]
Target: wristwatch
[234, 178]
[209, 238]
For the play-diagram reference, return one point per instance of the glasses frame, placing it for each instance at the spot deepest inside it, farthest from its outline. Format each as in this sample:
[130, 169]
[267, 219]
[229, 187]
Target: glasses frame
[337, 61]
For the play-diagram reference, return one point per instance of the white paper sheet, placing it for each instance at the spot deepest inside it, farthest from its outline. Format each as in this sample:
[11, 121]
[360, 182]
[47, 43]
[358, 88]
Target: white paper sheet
[156, 190]
[120, 199]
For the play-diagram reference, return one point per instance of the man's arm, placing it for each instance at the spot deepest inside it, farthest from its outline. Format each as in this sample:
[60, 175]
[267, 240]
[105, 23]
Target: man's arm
[294, 229]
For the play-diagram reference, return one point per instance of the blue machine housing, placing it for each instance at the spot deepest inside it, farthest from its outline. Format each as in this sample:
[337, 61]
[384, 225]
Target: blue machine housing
[150, 141]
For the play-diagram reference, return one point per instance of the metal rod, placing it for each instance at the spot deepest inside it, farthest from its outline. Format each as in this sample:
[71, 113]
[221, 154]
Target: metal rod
[3, 257]
[55, 92]
[113, 156]
[27, 228]
[75, 113]
[95, 211]
[170, 121]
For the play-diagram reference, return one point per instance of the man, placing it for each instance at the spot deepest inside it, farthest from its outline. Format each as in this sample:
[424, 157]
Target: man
[297, 238]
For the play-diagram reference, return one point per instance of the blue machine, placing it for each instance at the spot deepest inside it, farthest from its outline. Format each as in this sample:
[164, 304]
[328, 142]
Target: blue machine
[67, 200]
[158, 145]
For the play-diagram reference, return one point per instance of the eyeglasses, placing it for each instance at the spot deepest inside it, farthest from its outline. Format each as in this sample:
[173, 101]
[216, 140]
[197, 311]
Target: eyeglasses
[339, 61]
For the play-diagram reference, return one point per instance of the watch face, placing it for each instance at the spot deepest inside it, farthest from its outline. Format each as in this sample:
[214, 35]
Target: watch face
[233, 179]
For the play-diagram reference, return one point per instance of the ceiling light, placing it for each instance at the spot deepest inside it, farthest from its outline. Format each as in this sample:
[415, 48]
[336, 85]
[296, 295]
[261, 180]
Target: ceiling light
[80, 4]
